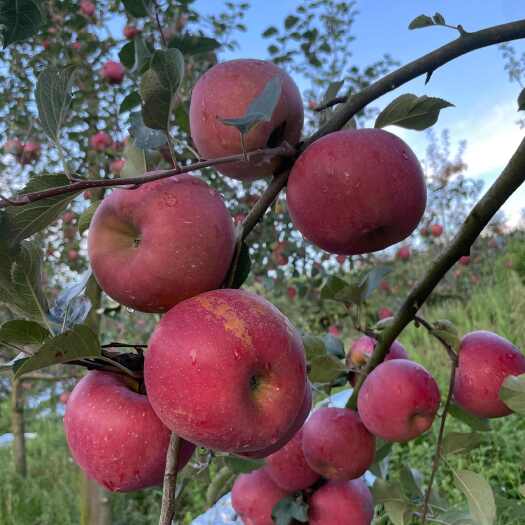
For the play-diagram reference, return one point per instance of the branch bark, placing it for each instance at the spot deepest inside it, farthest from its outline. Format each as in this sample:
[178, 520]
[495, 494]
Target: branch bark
[167, 511]
[506, 184]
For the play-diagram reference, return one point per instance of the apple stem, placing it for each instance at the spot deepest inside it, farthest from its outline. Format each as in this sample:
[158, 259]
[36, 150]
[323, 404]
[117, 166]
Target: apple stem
[167, 510]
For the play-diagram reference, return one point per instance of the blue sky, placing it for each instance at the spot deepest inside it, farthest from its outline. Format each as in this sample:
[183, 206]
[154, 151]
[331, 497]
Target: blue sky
[485, 112]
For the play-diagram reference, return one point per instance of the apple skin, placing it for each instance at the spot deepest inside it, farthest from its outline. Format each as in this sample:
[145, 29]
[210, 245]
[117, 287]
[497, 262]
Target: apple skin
[225, 91]
[436, 230]
[30, 153]
[341, 188]
[155, 246]
[337, 445]
[288, 467]
[116, 166]
[114, 435]
[14, 147]
[254, 496]
[130, 32]
[226, 370]
[303, 413]
[485, 360]
[87, 8]
[384, 313]
[113, 72]
[403, 254]
[100, 141]
[64, 397]
[398, 401]
[341, 502]
[361, 349]
[464, 260]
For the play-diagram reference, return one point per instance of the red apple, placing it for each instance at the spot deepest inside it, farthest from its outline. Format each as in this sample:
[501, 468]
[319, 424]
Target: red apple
[340, 191]
[485, 360]
[341, 259]
[361, 349]
[88, 194]
[385, 286]
[68, 217]
[130, 32]
[100, 141]
[116, 166]
[292, 292]
[64, 397]
[14, 147]
[157, 245]
[113, 72]
[87, 8]
[398, 400]
[436, 230]
[341, 502]
[30, 153]
[424, 232]
[226, 370]
[225, 91]
[464, 260]
[72, 255]
[288, 468]
[336, 444]
[254, 496]
[334, 330]
[384, 313]
[76, 46]
[114, 435]
[403, 254]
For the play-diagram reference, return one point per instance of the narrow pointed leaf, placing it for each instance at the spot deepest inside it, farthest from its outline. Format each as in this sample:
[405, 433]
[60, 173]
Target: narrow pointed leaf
[479, 496]
[512, 393]
[85, 218]
[421, 21]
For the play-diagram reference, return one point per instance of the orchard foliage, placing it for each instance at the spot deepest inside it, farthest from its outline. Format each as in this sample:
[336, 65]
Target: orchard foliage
[225, 370]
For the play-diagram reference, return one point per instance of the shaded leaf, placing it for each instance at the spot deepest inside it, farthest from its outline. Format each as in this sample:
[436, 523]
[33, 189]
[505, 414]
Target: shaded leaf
[53, 98]
[137, 8]
[130, 102]
[322, 366]
[243, 268]
[194, 44]
[412, 112]
[512, 393]
[456, 517]
[127, 55]
[476, 423]
[521, 100]
[396, 505]
[291, 509]
[334, 345]
[479, 496]
[19, 20]
[20, 332]
[270, 31]
[78, 343]
[169, 66]
[439, 19]
[290, 21]
[459, 442]
[85, 217]
[142, 54]
[337, 289]
[242, 465]
[145, 138]
[411, 482]
[135, 165]
[372, 280]
[421, 21]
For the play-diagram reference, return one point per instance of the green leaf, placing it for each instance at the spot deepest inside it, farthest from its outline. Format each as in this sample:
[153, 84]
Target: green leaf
[78, 343]
[412, 112]
[243, 267]
[23, 333]
[399, 513]
[290, 21]
[194, 44]
[242, 465]
[322, 366]
[421, 21]
[411, 482]
[260, 109]
[21, 281]
[169, 66]
[85, 217]
[130, 102]
[391, 496]
[23, 221]
[135, 161]
[512, 393]
[439, 19]
[53, 98]
[459, 442]
[291, 509]
[476, 423]
[372, 280]
[19, 20]
[521, 100]
[337, 289]
[270, 31]
[456, 517]
[127, 55]
[145, 138]
[137, 8]
[479, 495]
[334, 346]
[142, 55]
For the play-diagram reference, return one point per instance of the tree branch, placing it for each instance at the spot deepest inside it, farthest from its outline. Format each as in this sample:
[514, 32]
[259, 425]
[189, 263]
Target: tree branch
[505, 185]
[167, 511]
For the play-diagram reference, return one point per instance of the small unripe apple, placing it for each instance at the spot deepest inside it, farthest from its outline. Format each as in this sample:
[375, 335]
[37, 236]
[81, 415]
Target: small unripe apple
[403, 254]
[113, 72]
[312, 104]
[364, 167]
[130, 32]
[336, 444]
[436, 230]
[341, 502]
[45, 44]
[88, 194]
[87, 8]
[116, 166]
[398, 401]
[100, 141]
[485, 360]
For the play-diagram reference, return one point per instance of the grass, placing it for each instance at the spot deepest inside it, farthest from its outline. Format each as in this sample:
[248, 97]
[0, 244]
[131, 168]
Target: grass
[50, 493]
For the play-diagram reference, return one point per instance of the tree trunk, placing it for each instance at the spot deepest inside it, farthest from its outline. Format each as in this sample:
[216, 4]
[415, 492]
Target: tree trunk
[95, 502]
[17, 424]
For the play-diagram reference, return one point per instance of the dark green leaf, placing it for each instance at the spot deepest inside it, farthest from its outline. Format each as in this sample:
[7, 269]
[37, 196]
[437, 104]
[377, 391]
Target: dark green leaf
[137, 8]
[421, 21]
[23, 221]
[411, 482]
[85, 218]
[182, 117]
[270, 32]
[439, 19]
[372, 280]
[127, 55]
[334, 346]
[142, 55]
[289, 510]
[459, 442]
[243, 267]
[78, 343]
[391, 496]
[512, 393]
[130, 102]
[476, 423]
[290, 21]
[322, 366]
[337, 289]
[521, 100]
[19, 20]
[145, 138]
[194, 44]
[412, 112]
[23, 333]
[242, 465]
[169, 66]
[53, 98]
[479, 496]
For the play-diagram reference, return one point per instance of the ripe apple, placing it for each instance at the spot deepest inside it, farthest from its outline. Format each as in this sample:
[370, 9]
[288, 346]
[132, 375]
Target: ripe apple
[385, 286]
[225, 91]
[100, 141]
[68, 217]
[424, 232]
[485, 360]
[226, 370]
[398, 400]
[254, 496]
[64, 397]
[157, 245]
[116, 166]
[292, 292]
[87, 8]
[361, 349]
[113, 72]
[403, 254]
[384, 313]
[341, 187]
[72, 255]
[436, 230]
[30, 153]
[130, 32]
[341, 259]
[114, 435]
[288, 467]
[341, 502]
[464, 260]
[336, 444]
[334, 330]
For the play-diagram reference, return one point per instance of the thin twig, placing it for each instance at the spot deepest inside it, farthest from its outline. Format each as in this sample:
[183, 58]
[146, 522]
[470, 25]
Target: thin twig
[423, 322]
[167, 510]
[123, 345]
[159, 25]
